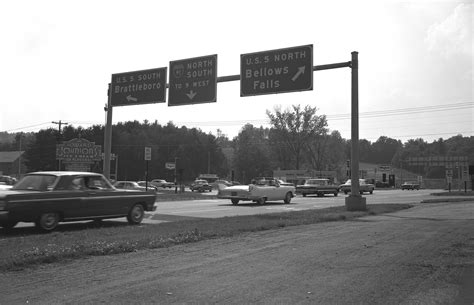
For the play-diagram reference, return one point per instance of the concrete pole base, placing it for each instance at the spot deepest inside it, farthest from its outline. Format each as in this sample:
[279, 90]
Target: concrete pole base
[356, 203]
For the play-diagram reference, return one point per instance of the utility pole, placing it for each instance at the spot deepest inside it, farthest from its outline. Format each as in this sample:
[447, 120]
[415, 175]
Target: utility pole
[59, 137]
[59, 127]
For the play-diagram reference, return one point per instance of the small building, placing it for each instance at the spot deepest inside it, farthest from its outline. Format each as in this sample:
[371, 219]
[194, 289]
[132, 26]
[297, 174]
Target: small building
[11, 163]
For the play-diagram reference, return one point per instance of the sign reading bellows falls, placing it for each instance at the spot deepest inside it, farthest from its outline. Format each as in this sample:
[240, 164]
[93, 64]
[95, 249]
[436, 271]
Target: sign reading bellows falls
[276, 71]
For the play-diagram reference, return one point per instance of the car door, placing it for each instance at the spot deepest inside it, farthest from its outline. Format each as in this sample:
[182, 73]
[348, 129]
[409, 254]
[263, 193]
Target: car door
[103, 199]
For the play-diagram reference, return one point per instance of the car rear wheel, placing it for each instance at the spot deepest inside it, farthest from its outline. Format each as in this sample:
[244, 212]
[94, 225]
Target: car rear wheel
[288, 197]
[47, 221]
[136, 214]
[235, 201]
[261, 200]
[335, 194]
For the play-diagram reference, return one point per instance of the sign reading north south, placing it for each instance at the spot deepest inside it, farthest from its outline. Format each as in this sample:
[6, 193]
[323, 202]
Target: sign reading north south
[139, 87]
[193, 81]
[276, 71]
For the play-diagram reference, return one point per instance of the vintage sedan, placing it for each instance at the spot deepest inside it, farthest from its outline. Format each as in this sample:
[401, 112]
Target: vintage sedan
[364, 187]
[410, 185]
[261, 190]
[47, 198]
[132, 185]
[200, 185]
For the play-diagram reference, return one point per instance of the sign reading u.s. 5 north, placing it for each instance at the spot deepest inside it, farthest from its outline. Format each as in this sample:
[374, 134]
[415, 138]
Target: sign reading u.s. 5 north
[139, 87]
[276, 71]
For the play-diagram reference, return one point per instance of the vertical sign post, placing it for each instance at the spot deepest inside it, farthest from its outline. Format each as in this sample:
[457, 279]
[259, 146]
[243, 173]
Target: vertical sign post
[147, 158]
[355, 202]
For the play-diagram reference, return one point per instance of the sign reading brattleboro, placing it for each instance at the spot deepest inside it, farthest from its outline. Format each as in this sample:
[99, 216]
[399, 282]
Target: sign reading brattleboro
[193, 81]
[276, 71]
[78, 151]
[139, 87]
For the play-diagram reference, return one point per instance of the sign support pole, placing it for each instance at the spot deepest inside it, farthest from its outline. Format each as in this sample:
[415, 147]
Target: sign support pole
[355, 202]
[108, 135]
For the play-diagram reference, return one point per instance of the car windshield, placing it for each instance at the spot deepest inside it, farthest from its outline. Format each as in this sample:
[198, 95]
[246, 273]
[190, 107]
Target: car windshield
[36, 183]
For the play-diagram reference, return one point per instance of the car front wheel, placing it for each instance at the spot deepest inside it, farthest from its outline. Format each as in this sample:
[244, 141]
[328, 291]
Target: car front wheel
[288, 197]
[235, 201]
[136, 214]
[261, 200]
[47, 221]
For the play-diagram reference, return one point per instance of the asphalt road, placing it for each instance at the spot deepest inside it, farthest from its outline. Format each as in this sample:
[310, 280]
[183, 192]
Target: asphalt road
[214, 208]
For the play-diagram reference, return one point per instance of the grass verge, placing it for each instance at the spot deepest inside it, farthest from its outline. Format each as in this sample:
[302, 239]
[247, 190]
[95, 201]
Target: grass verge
[21, 251]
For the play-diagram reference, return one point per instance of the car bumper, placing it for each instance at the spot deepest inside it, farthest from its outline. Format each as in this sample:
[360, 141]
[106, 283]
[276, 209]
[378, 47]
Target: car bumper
[4, 215]
[239, 197]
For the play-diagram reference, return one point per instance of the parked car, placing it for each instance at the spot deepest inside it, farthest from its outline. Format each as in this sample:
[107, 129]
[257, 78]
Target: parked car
[130, 185]
[410, 185]
[7, 180]
[364, 187]
[200, 185]
[147, 185]
[47, 198]
[261, 190]
[381, 184]
[318, 186]
[162, 183]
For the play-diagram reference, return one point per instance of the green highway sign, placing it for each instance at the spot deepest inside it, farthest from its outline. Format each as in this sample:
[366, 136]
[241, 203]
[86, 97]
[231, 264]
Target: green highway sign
[139, 87]
[276, 71]
[193, 81]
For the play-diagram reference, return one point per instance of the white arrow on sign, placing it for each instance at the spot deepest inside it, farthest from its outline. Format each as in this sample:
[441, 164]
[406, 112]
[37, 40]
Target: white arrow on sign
[131, 99]
[191, 94]
[300, 71]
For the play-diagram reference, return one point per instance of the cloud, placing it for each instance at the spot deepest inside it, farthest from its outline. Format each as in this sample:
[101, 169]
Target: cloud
[452, 36]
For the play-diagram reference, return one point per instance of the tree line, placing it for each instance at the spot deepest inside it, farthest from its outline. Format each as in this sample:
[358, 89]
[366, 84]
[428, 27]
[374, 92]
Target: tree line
[298, 138]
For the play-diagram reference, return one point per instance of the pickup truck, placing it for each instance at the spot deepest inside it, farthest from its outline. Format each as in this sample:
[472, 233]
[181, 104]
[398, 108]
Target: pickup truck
[318, 186]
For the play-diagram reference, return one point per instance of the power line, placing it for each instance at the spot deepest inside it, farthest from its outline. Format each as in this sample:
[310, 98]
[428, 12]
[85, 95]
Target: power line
[332, 117]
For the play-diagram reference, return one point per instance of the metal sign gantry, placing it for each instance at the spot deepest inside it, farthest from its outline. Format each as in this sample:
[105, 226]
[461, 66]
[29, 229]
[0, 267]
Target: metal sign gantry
[258, 76]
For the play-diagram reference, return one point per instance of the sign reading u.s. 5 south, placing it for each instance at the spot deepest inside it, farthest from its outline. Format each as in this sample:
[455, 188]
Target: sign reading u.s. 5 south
[276, 71]
[139, 87]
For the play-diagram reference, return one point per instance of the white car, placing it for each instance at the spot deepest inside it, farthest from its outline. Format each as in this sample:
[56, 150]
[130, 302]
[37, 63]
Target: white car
[261, 190]
[130, 185]
[162, 183]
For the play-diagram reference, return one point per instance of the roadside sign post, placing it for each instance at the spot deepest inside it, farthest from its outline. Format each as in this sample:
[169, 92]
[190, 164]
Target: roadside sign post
[147, 158]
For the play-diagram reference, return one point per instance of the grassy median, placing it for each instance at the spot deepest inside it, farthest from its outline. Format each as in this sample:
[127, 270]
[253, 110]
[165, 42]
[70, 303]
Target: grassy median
[26, 248]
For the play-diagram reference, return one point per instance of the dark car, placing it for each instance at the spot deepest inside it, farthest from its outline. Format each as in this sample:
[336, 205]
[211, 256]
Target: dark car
[410, 185]
[47, 198]
[201, 185]
[364, 187]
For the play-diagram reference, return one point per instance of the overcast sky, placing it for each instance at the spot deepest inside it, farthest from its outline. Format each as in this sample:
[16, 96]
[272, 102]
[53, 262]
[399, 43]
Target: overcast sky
[415, 61]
